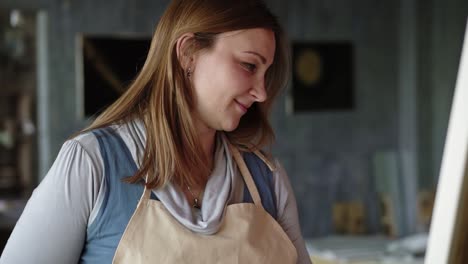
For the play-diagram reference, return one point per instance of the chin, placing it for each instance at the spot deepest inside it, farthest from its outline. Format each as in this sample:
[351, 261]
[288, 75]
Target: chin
[229, 129]
[231, 126]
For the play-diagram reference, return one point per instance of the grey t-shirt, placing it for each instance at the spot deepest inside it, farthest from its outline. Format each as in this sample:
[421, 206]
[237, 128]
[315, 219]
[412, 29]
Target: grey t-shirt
[52, 228]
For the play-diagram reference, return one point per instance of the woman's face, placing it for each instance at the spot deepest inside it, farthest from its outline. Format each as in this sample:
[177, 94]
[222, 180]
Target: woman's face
[230, 77]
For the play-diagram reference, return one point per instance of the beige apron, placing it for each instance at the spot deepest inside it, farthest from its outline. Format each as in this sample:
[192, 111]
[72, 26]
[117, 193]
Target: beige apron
[248, 234]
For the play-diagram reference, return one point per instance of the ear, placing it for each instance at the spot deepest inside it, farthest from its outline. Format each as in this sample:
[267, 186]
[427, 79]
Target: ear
[182, 47]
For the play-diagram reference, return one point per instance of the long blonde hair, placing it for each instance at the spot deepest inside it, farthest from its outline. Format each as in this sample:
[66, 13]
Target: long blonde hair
[163, 99]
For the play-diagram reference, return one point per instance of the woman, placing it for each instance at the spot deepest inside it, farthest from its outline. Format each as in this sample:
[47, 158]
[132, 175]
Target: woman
[171, 172]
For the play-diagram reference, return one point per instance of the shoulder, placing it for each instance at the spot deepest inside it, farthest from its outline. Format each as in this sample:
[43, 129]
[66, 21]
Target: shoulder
[273, 174]
[260, 159]
[79, 161]
[130, 135]
[87, 142]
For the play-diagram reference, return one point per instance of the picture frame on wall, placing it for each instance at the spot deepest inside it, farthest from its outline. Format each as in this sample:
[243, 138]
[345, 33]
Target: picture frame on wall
[323, 76]
[109, 64]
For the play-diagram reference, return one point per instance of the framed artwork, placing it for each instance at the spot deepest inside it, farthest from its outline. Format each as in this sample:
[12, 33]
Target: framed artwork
[110, 63]
[323, 76]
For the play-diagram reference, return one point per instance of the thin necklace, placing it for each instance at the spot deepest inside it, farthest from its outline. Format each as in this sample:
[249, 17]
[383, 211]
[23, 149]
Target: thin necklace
[195, 198]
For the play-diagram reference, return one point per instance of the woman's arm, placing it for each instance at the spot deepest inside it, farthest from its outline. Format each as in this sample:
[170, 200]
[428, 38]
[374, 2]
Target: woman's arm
[287, 213]
[52, 227]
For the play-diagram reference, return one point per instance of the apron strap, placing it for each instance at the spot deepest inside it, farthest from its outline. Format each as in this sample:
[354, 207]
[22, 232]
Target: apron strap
[246, 175]
[265, 160]
[146, 192]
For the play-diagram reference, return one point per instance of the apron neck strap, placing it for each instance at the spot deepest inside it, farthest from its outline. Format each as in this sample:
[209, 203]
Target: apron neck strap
[146, 193]
[245, 174]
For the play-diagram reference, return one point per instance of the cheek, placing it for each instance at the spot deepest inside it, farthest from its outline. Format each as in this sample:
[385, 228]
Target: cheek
[237, 79]
[220, 80]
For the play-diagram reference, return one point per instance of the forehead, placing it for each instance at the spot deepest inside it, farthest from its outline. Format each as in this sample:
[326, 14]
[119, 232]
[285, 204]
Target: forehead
[258, 40]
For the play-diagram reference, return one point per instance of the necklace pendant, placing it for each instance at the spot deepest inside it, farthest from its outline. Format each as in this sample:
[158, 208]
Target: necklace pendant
[195, 203]
[195, 199]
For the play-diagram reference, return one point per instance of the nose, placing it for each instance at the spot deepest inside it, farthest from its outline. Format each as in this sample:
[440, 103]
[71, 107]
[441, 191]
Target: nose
[258, 91]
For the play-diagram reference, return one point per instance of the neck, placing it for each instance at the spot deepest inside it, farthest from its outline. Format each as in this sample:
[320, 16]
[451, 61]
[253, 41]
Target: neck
[207, 139]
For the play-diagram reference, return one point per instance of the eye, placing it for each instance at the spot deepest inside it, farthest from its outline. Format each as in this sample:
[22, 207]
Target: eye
[249, 66]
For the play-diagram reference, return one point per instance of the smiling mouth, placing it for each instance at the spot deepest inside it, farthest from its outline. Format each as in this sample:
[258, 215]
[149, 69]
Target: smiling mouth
[243, 107]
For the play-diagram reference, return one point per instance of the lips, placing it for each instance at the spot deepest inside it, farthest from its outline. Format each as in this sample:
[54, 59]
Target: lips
[243, 107]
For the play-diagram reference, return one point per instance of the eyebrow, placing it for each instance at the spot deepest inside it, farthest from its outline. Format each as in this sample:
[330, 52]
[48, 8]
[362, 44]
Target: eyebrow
[258, 54]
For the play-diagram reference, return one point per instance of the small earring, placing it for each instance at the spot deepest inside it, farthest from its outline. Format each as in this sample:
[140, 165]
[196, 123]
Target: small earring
[189, 72]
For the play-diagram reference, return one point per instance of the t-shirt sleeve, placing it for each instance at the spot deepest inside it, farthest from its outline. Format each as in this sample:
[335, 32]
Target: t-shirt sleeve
[287, 213]
[52, 227]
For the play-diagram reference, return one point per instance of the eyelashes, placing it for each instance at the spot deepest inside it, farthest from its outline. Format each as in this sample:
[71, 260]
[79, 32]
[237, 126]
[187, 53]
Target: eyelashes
[252, 68]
